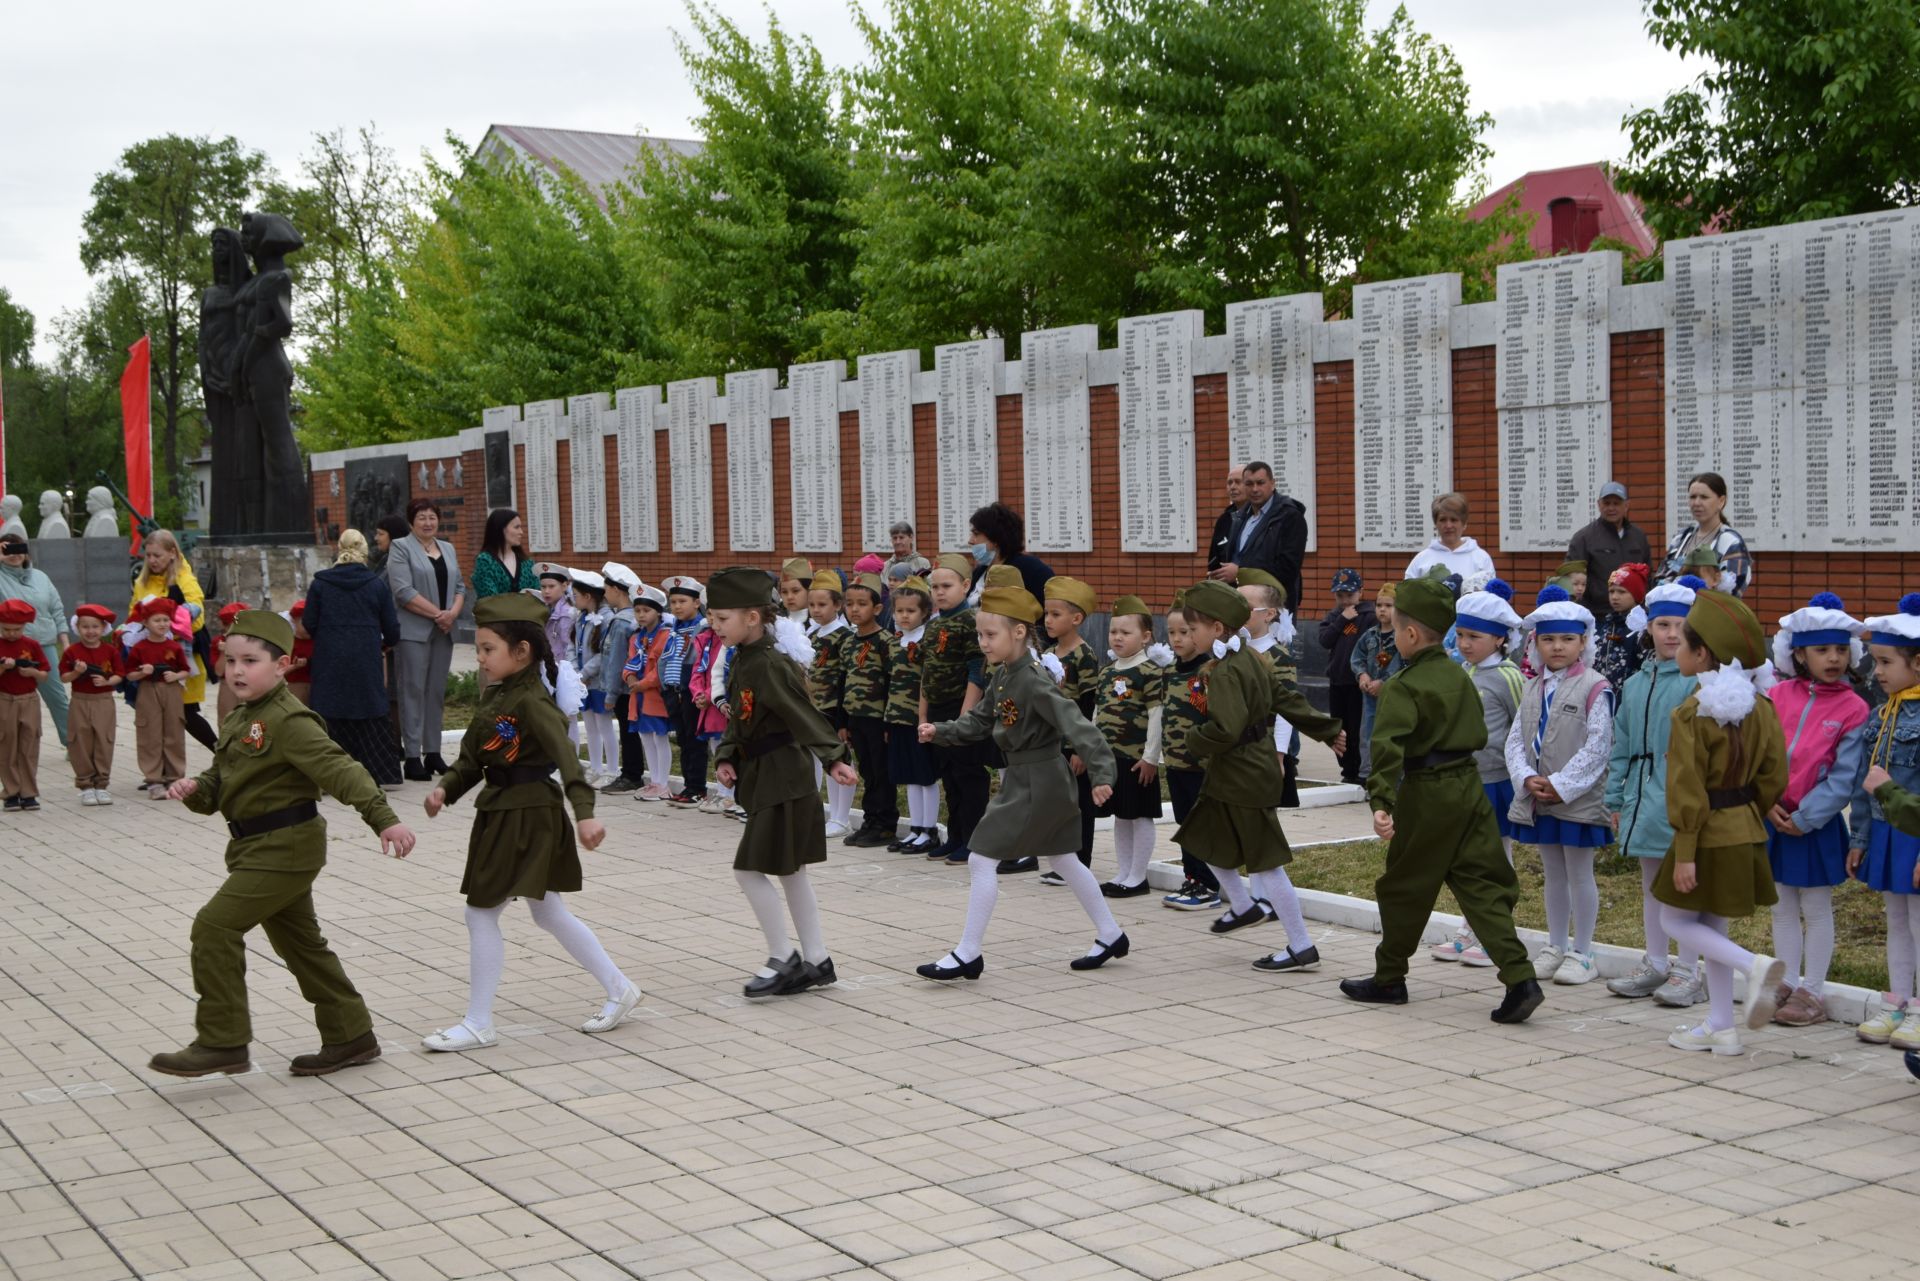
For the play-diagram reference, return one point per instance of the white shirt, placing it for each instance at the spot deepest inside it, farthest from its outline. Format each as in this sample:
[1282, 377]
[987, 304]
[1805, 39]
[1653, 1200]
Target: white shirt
[1465, 560]
[1579, 775]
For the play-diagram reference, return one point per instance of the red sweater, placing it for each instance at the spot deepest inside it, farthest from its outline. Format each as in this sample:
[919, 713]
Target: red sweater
[302, 649]
[105, 656]
[13, 680]
[167, 652]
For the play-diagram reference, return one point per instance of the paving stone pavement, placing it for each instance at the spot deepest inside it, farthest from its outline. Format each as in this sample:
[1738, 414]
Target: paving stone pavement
[1174, 1115]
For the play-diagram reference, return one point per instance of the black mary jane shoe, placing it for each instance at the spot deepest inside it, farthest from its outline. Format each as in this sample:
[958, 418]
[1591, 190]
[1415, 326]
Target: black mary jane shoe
[1014, 866]
[899, 843]
[1289, 961]
[436, 764]
[1521, 1000]
[780, 981]
[942, 973]
[414, 771]
[811, 976]
[1372, 991]
[1258, 914]
[1108, 952]
[1114, 889]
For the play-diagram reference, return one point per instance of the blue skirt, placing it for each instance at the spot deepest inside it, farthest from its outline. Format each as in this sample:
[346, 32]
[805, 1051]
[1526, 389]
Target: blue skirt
[597, 703]
[1549, 830]
[910, 762]
[1813, 861]
[650, 725]
[1500, 796]
[1891, 853]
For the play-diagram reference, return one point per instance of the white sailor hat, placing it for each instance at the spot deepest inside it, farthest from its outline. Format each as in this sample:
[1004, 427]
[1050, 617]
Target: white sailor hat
[1901, 629]
[619, 575]
[1673, 600]
[1824, 620]
[587, 578]
[1490, 611]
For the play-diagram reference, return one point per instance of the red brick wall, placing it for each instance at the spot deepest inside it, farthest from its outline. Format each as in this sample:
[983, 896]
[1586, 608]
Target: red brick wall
[1870, 582]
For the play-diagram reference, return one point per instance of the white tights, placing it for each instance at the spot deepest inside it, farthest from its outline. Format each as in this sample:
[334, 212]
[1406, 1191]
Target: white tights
[1721, 956]
[1814, 906]
[659, 756]
[839, 802]
[923, 805]
[487, 953]
[603, 744]
[1573, 898]
[1133, 844]
[1276, 888]
[763, 895]
[1903, 944]
[984, 891]
[1652, 922]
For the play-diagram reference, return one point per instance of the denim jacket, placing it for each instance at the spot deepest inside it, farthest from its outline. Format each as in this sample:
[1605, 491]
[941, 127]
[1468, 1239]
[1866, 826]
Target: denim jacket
[1899, 755]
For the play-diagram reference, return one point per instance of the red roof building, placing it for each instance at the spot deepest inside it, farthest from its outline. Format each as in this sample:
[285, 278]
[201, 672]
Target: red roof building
[1572, 207]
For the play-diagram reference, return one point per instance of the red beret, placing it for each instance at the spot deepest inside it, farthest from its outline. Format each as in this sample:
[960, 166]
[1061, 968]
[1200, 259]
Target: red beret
[232, 610]
[298, 608]
[100, 612]
[156, 605]
[16, 611]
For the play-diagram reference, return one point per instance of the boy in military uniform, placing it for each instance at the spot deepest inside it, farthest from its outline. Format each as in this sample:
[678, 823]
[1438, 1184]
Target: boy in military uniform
[827, 680]
[868, 655]
[273, 761]
[774, 735]
[952, 679]
[1437, 822]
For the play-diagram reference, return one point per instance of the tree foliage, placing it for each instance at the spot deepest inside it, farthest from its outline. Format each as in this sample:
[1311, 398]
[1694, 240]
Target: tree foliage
[16, 332]
[1811, 109]
[63, 414]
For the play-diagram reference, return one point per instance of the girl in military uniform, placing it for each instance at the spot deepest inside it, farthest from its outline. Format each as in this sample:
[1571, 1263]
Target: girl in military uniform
[1130, 708]
[1025, 713]
[1726, 768]
[521, 846]
[774, 735]
[951, 679]
[1067, 603]
[827, 680]
[909, 761]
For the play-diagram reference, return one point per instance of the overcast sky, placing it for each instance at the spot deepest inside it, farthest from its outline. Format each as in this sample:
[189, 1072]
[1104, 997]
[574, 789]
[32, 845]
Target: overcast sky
[80, 82]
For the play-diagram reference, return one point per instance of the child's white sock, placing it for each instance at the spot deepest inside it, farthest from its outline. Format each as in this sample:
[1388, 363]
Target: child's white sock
[583, 945]
[1234, 887]
[486, 961]
[839, 802]
[1277, 888]
[764, 899]
[1816, 908]
[982, 894]
[806, 916]
[1079, 879]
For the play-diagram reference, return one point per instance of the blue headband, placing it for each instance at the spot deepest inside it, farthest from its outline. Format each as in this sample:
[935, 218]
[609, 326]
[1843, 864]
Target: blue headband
[1491, 626]
[1560, 627]
[1668, 609]
[1894, 639]
[1822, 636]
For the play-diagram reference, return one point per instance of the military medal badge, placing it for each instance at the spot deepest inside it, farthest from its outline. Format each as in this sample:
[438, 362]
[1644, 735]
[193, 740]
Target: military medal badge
[506, 738]
[1009, 711]
[1197, 693]
[744, 701]
[255, 739]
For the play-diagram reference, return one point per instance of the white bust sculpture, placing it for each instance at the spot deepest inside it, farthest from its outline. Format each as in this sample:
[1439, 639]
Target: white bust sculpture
[53, 521]
[101, 520]
[10, 522]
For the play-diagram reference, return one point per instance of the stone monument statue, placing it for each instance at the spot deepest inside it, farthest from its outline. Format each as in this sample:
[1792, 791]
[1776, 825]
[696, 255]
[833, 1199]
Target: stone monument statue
[102, 522]
[10, 522]
[259, 478]
[53, 519]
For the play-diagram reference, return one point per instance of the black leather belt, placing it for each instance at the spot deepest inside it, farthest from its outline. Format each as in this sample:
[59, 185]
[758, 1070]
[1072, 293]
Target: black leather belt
[1732, 798]
[1257, 731]
[273, 820]
[1434, 760]
[766, 743]
[509, 775]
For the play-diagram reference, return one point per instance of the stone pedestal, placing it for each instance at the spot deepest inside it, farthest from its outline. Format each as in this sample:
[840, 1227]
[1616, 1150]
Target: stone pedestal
[271, 575]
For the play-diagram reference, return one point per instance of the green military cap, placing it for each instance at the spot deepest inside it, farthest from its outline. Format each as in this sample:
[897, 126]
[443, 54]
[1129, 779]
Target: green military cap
[872, 583]
[740, 587]
[827, 580]
[1703, 556]
[1220, 602]
[1729, 628]
[1260, 578]
[510, 607]
[915, 583]
[799, 567]
[265, 625]
[1011, 602]
[1125, 605]
[958, 563]
[1571, 567]
[1002, 576]
[1427, 601]
[1073, 592]
[1179, 599]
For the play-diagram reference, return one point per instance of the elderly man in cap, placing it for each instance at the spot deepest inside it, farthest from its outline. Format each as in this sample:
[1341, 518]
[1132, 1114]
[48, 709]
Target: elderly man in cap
[1608, 543]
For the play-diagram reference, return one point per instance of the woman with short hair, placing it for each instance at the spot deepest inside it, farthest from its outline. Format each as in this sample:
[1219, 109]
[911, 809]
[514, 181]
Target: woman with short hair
[425, 578]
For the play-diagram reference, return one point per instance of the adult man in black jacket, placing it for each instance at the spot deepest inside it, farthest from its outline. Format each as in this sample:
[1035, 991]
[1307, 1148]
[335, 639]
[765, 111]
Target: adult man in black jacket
[1220, 548]
[1269, 533]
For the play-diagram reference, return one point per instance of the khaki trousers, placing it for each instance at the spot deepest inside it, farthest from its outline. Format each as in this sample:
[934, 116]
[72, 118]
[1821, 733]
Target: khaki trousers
[160, 732]
[280, 904]
[20, 744]
[92, 725]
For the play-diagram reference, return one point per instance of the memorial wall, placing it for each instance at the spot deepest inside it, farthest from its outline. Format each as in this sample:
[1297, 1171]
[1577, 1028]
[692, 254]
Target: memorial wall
[1783, 358]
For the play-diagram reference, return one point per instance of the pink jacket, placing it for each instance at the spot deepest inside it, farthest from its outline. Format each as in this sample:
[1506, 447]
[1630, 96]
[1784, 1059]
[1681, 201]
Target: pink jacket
[1816, 720]
[706, 652]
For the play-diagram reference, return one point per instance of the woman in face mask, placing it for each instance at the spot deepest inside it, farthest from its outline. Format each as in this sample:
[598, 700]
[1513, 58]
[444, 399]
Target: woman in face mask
[999, 537]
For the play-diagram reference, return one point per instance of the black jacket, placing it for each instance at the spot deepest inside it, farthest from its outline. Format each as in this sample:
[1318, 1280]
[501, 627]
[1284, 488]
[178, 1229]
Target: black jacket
[1222, 542]
[1339, 635]
[351, 617]
[1278, 545]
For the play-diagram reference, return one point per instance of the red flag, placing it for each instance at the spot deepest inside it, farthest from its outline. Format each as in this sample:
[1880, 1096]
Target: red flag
[136, 416]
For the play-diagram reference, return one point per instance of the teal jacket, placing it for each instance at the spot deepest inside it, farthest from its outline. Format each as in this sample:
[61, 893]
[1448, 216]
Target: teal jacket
[1637, 768]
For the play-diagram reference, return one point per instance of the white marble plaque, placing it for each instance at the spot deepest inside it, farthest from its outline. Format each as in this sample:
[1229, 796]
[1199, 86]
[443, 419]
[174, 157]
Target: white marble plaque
[1403, 408]
[690, 457]
[813, 456]
[967, 431]
[1157, 503]
[750, 459]
[1270, 392]
[886, 444]
[1552, 386]
[587, 470]
[1056, 442]
[635, 409]
[540, 506]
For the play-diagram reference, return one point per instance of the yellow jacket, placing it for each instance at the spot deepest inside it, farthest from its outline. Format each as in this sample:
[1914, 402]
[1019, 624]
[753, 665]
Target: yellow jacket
[156, 585]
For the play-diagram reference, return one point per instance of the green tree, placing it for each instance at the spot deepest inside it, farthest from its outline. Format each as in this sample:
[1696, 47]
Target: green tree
[63, 415]
[1811, 109]
[980, 207]
[16, 333]
[1271, 146]
[148, 226]
[748, 243]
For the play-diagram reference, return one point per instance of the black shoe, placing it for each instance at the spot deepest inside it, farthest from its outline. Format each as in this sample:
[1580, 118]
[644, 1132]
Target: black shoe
[436, 763]
[1522, 999]
[940, 849]
[1108, 952]
[899, 843]
[1288, 961]
[1052, 878]
[1012, 866]
[414, 772]
[621, 784]
[960, 856]
[29, 803]
[364, 1048]
[870, 838]
[784, 973]
[1374, 992]
[809, 975]
[1913, 1063]
[202, 1060]
[1114, 889]
[942, 973]
[12, 803]
[1258, 914]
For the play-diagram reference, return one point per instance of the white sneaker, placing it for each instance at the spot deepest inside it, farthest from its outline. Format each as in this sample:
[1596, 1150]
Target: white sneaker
[1763, 989]
[1547, 963]
[1575, 969]
[88, 796]
[461, 1036]
[1451, 949]
[101, 796]
[1726, 1041]
[1476, 956]
[1683, 987]
[614, 1012]
[712, 803]
[1879, 1029]
[837, 829]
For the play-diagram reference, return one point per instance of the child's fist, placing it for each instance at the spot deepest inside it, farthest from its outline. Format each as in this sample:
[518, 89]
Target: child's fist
[1339, 743]
[183, 788]
[1877, 778]
[926, 733]
[435, 802]
[726, 773]
[397, 841]
[844, 774]
[1383, 825]
[591, 832]
[1102, 794]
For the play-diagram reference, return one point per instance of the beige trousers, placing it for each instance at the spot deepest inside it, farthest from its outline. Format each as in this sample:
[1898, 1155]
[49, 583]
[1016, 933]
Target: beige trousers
[160, 732]
[91, 727]
[20, 744]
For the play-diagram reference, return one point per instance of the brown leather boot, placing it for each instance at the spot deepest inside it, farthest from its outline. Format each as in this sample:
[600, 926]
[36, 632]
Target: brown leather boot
[202, 1060]
[364, 1048]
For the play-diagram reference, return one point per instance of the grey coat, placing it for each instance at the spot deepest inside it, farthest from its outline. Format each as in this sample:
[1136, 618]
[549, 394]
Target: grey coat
[410, 574]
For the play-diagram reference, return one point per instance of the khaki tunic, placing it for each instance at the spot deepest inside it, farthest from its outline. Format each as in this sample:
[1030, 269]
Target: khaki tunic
[1728, 846]
[774, 734]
